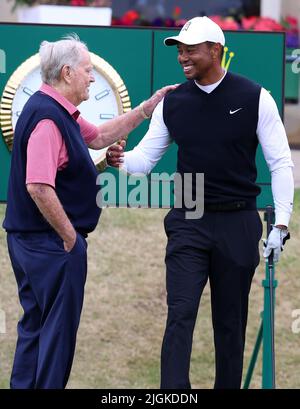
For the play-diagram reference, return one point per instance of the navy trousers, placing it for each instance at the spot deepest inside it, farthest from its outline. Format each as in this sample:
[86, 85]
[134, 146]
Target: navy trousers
[221, 247]
[51, 288]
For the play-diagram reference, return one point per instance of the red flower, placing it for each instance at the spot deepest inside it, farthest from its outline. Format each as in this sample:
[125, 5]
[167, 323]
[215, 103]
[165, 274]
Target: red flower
[130, 18]
[78, 3]
[169, 22]
[267, 24]
[227, 23]
[180, 23]
[216, 19]
[292, 21]
[230, 24]
[261, 24]
[249, 22]
[176, 12]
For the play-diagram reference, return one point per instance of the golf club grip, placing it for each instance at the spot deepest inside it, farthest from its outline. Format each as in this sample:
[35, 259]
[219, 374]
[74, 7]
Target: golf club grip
[269, 218]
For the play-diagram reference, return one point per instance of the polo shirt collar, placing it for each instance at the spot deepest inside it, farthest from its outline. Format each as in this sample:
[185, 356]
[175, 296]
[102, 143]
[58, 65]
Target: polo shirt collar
[51, 92]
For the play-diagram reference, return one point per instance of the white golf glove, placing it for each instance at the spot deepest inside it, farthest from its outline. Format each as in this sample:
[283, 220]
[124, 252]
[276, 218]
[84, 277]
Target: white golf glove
[275, 242]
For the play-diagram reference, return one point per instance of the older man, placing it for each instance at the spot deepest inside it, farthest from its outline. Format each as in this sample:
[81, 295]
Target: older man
[51, 208]
[217, 119]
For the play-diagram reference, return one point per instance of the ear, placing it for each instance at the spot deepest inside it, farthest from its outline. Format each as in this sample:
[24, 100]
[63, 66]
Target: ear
[215, 51]
[66, 73]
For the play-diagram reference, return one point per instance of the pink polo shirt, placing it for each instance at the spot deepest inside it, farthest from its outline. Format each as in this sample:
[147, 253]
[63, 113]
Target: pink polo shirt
[46, 149]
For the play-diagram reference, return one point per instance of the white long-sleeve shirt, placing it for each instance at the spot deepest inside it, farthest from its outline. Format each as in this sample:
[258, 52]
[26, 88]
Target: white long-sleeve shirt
[271, 136]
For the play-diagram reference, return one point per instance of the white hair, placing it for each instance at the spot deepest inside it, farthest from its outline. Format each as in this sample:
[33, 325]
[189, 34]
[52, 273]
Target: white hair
[54, 56]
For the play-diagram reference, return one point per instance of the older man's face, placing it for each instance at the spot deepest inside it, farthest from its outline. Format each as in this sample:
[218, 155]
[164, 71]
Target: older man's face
[81, 78]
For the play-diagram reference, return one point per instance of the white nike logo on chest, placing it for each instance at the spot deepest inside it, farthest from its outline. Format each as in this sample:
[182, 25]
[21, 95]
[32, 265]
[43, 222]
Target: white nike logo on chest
[233, 112]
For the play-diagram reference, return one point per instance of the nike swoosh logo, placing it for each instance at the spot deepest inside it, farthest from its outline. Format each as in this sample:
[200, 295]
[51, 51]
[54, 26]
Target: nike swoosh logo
[233, 112]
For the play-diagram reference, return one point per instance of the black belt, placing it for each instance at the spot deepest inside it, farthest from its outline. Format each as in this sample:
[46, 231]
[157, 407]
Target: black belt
[225, 207]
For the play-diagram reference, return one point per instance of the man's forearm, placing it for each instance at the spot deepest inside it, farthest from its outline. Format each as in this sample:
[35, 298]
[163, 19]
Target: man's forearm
[49, 205]
[283, 193]
[117, 128]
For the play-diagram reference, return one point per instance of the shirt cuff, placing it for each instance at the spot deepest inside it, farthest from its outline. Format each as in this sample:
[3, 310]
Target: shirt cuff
[123, 167]
[282, 218]
[41, 181]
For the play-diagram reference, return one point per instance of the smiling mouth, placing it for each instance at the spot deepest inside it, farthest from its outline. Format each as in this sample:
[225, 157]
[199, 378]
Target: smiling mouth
[187, 68]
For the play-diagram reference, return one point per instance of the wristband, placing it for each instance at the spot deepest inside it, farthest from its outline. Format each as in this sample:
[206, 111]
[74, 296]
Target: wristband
[144, 115]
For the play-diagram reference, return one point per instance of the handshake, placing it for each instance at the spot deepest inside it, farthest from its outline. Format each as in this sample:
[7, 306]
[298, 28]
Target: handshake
[115, 154]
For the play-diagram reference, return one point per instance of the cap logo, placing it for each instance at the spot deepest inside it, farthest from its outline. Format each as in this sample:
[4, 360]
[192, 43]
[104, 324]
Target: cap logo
[186, 26]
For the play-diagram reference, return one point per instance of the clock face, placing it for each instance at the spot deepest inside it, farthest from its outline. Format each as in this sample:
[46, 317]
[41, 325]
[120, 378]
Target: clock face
[30, 84]
[101, 106]
[108, 97]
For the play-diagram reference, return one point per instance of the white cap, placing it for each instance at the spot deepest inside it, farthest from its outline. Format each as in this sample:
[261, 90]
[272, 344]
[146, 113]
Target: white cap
[198, 30]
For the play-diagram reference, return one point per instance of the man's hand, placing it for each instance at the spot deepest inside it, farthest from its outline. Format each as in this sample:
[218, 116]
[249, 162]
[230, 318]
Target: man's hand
[150, 104]
[119, 127]
[49, 205]
[115, 154]
[275, 242]
[70, 242]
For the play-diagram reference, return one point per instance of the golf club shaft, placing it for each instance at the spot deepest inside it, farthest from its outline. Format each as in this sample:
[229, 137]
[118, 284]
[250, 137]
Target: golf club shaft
[270, 213]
